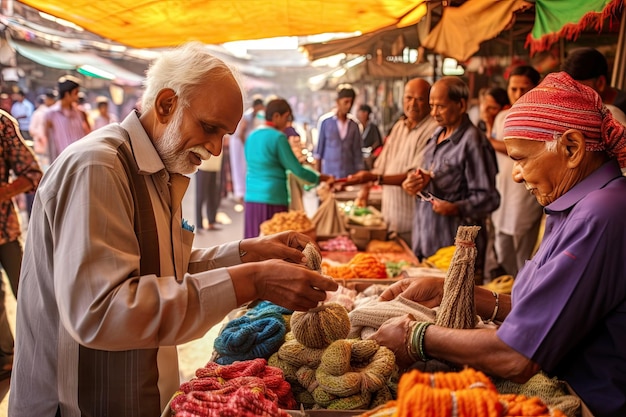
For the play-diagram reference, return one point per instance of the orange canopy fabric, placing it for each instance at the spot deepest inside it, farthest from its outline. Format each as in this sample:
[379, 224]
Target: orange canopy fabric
[164, 23]
[461, 29]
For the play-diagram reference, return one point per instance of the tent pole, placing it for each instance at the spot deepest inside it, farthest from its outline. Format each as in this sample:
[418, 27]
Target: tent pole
[619, 65]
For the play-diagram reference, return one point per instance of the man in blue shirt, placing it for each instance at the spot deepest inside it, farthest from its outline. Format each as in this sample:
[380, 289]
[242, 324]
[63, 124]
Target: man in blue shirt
[458, 170]
[338, 151]
[22, 109]
[567, 313]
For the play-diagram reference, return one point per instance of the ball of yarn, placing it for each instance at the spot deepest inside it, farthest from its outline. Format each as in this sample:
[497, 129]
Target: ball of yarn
[245, 339]
[320, 326]
[313, 257]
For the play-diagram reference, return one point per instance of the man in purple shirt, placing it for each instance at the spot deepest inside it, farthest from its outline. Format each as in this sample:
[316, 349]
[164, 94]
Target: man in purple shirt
[567, 313]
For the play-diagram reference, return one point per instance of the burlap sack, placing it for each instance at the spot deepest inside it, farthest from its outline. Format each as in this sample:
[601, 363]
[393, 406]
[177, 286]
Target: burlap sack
[328, 219]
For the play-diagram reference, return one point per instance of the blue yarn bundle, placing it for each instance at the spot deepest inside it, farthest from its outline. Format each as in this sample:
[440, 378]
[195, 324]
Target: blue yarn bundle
[257, 334]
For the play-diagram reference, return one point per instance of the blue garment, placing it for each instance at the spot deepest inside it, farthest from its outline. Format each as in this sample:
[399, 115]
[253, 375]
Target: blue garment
[23, 111]
[569, 301]
[464, 169]
[268, 157]
[339, 157]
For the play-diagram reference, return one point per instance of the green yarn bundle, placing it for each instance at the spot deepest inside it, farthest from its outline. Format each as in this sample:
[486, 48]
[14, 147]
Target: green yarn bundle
[351, 371]
[326, 369]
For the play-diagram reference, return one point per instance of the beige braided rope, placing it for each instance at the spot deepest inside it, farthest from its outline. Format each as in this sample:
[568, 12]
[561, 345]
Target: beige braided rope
[457, 309]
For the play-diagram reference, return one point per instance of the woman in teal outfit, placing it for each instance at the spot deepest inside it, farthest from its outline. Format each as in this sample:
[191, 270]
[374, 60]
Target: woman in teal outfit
[268, 157]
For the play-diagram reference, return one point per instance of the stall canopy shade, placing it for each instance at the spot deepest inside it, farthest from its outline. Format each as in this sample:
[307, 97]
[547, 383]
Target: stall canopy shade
[163, 23]
[364, 44]
[84, 62]
[461, 29]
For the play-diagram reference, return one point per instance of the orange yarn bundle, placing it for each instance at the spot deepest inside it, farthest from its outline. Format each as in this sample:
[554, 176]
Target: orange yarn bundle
[468, 393]
[362, 265]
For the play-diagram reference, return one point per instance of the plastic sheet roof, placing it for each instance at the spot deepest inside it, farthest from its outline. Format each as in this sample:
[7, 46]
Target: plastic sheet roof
[164, 23]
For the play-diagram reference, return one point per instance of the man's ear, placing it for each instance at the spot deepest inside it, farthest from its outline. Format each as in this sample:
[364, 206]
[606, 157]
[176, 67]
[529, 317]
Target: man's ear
[573, 144]
[601, 84]
[463, 105]
[165, 104]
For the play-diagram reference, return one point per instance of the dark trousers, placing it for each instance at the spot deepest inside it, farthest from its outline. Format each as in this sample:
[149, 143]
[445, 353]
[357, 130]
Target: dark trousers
[208, 194]
[11, 259]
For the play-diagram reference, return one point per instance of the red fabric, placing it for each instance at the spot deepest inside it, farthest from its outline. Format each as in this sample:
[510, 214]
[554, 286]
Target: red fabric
[558, 104]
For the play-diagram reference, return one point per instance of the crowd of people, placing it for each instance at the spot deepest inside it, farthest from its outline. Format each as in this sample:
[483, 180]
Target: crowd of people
[109, 274]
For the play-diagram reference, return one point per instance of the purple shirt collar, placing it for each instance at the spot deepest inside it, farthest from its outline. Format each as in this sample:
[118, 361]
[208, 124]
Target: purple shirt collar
[594, 181]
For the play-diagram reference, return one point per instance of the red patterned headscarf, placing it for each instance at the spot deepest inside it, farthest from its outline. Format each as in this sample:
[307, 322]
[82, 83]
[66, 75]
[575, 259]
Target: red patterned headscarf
[558, 104]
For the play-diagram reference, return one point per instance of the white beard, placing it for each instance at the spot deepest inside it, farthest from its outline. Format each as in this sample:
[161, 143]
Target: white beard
[177, 161]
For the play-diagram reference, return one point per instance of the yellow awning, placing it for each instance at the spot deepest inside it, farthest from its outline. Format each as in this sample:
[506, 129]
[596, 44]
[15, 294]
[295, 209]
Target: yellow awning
[163, 23]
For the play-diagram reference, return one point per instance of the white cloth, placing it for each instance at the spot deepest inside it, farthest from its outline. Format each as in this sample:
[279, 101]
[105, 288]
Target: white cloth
[519, 210]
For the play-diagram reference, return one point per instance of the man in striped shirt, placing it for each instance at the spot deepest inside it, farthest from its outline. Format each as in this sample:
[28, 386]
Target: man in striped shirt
[65, 123]
[401, 153]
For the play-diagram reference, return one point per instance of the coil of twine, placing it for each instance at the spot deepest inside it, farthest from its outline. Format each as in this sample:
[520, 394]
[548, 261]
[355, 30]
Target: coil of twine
[350, 372]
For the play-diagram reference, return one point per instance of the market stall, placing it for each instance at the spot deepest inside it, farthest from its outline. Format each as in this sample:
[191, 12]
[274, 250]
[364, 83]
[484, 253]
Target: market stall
[271, 361]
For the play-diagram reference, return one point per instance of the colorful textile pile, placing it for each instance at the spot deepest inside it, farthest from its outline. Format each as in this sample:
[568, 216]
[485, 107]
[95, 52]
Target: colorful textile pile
[248, 388]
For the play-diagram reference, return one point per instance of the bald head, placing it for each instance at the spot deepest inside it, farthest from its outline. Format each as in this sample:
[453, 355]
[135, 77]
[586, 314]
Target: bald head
[415, 101]
[448, 102]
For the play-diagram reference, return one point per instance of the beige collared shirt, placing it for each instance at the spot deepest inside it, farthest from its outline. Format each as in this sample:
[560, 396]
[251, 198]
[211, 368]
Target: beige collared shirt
[80, 282]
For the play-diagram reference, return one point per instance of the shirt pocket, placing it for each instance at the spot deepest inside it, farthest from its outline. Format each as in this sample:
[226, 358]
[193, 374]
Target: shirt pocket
[448, 176]
[187, 242]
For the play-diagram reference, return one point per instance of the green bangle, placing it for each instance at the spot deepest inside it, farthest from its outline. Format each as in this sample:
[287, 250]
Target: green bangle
[417, 340]
[411, 348]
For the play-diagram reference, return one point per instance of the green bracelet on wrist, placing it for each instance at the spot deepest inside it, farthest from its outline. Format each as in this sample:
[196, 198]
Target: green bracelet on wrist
[417, 340]
[411, 348]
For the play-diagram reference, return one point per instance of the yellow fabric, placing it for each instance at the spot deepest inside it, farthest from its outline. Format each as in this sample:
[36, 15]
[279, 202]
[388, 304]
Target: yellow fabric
[484, 19]
[163, 23]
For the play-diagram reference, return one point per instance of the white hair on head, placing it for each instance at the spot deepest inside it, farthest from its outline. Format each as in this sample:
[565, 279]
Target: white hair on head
[551, 144]
[183, 69]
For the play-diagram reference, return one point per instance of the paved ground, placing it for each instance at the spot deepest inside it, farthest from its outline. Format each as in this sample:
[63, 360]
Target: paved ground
[195, 354]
